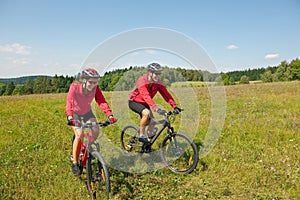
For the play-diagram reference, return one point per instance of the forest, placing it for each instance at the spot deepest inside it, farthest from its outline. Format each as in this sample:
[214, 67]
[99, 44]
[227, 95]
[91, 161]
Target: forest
[124, 79]
[36, 85]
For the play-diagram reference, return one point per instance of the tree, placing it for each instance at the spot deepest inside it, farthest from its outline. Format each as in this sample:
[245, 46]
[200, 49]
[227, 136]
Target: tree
[170, 75]
[219, 80]
[295, 68]
[267, 76]
[244, 80]
[19, 90]
[113, 82]
[28, 87]
[226, 79]
[9, 88]
[2, 89]
[125, 81]
[283, 72]
[40, 86]
[231, 81]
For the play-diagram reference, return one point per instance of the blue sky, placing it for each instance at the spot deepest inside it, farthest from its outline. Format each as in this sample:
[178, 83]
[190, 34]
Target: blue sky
[56, 37]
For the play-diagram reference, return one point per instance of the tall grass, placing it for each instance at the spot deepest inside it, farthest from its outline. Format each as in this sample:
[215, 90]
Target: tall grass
[256, 157]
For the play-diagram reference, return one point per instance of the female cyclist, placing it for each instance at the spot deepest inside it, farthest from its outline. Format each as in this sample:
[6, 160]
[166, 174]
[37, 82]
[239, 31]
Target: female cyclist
[78, 107]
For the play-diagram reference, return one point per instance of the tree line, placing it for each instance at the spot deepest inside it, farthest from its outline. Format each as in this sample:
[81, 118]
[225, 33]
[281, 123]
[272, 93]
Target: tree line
[38, 85]
[125, 79]
[285, 71]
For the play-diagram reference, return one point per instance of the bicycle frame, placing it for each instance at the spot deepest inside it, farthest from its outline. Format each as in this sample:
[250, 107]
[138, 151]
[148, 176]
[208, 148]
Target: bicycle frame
[165, 124]
[88, 139]
[85, 145]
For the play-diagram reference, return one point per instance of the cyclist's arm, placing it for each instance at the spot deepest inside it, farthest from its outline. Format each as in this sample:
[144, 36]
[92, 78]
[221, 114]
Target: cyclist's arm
[166, 95]
[69, 104]
[146, 97]
[102, 102]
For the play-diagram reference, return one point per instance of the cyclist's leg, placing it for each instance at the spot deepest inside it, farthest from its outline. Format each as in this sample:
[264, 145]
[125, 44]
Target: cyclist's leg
[144, 113]
[76, 144]
[76, 151]
[144, 120]
[77, 140]
[151, 126]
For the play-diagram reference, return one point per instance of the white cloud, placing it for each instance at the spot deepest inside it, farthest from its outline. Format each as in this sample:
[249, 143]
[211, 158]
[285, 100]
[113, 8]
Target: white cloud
[232, 46]
[16, 48]
[272, 56]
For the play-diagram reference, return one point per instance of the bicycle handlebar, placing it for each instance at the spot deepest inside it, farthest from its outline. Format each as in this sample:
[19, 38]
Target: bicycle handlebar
[88, 124]
[173, 112]
[101, 124]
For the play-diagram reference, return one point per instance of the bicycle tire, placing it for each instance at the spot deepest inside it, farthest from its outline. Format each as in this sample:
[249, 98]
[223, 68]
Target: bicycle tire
[129, 139]
[179, 153]
[98, 181]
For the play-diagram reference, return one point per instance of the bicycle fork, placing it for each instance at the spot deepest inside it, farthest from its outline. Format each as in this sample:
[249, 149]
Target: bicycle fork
[173, 142]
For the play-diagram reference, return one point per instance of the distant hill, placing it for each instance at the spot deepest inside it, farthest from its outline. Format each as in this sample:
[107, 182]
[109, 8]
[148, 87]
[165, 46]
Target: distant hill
[20, 80]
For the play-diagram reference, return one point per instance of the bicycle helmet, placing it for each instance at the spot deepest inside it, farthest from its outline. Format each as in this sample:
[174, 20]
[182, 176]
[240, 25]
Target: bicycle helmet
[155, 67]
[89, 73]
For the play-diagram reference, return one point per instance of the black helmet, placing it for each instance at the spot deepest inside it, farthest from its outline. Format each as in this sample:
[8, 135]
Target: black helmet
[155, 67]
[89, 73]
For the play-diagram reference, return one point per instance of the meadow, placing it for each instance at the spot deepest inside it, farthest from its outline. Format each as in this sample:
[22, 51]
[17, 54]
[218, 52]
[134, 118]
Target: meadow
[256, 157]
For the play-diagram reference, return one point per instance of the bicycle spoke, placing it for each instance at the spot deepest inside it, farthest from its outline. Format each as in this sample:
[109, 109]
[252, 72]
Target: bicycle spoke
[129, 140]
[179, 153]
[98, 181]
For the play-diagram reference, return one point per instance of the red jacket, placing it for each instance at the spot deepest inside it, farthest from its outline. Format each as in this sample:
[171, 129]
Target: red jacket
[144, 92]
[81, 104]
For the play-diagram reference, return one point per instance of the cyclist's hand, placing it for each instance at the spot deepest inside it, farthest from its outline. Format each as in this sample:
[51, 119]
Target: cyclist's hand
[177, 110]
[70, 119]
[161, 111]
[72, 122]
[112, 119]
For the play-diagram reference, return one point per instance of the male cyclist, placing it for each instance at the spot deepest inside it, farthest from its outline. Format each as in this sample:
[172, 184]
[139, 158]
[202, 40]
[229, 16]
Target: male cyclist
[78, 107]
[141, 98]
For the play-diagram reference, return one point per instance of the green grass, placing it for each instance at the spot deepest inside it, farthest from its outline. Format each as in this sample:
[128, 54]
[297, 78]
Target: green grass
[256, 157]
[191, 84]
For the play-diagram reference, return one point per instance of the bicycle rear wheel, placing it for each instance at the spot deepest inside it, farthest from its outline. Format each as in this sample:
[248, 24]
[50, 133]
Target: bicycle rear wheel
[179, 153]
[129, 139]
[98, 181]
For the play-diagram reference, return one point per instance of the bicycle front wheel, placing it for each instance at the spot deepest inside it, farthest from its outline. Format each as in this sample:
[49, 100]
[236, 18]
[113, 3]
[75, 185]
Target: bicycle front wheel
[179, 153]
[98, 181]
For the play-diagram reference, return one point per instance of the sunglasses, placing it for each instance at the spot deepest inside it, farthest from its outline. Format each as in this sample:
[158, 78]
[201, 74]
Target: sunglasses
[93, 82]
[157, 74]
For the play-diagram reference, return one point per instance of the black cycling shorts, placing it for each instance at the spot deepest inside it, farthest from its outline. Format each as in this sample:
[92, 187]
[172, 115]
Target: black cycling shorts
[138, 108]
[84, 117]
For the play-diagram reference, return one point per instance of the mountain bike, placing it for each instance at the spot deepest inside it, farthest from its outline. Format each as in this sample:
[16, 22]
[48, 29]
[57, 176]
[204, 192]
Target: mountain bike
[97, 176]
[178, 152]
